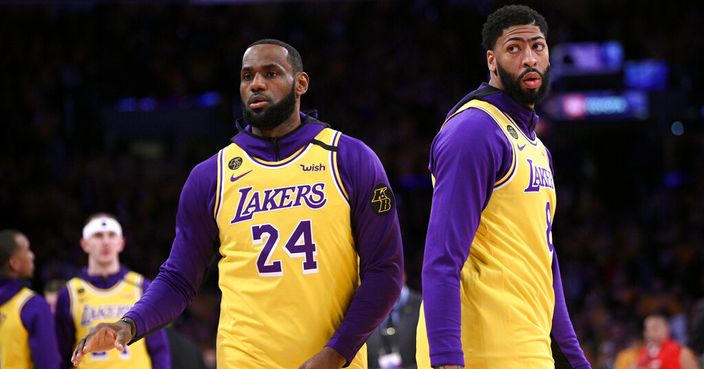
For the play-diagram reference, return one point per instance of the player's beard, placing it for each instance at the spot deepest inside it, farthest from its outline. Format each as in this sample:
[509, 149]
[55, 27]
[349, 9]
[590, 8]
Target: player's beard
[512, 85]
[272, 116]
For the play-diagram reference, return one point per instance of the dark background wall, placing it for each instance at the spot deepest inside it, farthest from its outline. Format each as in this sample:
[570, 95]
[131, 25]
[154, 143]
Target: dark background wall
[106, 106]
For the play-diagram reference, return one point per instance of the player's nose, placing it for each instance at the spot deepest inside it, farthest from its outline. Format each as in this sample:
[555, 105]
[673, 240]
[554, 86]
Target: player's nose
[258, 83]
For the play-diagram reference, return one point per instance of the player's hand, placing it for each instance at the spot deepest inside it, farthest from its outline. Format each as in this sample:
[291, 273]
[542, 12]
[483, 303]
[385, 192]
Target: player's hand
[327, 358]
[103, 337]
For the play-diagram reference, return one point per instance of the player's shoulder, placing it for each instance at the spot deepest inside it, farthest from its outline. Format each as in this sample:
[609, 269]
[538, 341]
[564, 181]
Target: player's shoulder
[207, 166]
[352, 146]
[24, 295]
[469, 122]
[468, 130]
[33, 303]
[133, 277]
[203, 177]
[73, 281]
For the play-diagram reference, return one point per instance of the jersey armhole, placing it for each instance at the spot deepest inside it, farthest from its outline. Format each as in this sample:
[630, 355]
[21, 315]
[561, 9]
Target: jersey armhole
[329, 139]
[219, 186]
[495, 115]
[71, 285]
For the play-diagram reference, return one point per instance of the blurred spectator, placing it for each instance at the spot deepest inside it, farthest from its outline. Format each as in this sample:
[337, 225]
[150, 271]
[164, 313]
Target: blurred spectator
[185, 354]
[393, 344]
[660, 351]
[51, 292]
[627, 358]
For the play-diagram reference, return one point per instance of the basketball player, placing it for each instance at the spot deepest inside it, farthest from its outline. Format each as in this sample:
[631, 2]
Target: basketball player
[491, 282]
[310, 250]
[103, 292]
[27, 339]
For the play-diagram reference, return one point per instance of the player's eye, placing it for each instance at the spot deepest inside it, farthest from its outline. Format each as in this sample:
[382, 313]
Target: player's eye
[271, 74]
[246, 77]
[513, 48]
[539, 47]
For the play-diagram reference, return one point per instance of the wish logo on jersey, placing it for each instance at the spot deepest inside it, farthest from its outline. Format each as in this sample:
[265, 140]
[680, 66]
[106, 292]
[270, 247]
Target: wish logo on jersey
[102, 312]
[312, 167]
[252, 202]
[539, 177]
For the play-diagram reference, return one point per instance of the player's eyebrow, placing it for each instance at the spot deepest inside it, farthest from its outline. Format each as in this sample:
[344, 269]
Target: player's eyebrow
[521, 39]
[266, 66]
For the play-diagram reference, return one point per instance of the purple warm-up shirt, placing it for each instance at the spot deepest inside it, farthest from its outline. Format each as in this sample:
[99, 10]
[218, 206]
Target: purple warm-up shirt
[157, 343]
[37, 319]
[485, 157]
[377, 238]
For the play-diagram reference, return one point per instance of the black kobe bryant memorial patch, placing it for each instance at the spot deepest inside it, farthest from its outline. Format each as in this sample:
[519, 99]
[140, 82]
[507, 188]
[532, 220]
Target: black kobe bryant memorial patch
[234, 163]
[512, 132]
[382, 199]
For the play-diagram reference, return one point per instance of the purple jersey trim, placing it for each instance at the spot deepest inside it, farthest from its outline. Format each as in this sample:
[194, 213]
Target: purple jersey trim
[335, 173]
[533, 141]
[219, 186]
[278, 164]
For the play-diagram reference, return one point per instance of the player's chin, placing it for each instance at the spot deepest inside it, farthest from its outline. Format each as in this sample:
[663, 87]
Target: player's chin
[258, 111]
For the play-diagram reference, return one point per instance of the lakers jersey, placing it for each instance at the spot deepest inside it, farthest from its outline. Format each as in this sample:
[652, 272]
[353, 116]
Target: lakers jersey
[289, 267]
[91, 305]
[14, 338]
[506, 282]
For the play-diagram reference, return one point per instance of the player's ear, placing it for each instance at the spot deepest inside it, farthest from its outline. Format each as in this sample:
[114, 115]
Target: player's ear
[491, 61]
[84, 245]
[301, 82]
[12, 263]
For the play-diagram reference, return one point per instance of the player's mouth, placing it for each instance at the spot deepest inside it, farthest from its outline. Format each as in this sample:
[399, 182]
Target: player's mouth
[532, 80]
[258, 102]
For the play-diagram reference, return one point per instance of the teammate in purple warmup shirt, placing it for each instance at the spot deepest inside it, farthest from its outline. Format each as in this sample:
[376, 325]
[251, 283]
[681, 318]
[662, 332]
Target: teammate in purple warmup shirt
[492, 292]
[27, 337]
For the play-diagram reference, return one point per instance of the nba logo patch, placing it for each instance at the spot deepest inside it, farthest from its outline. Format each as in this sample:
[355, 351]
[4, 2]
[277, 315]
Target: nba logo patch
[235, 163]
[512, 132]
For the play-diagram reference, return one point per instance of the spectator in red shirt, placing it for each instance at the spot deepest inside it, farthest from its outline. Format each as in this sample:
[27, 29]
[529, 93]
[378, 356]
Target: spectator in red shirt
[660, 350]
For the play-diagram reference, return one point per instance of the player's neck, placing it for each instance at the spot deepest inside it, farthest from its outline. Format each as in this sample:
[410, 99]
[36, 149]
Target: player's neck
[103, 269]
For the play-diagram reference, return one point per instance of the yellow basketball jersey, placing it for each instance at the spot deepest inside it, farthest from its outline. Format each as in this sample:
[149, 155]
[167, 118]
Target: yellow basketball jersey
[506, 283]
[91, 305]
[14, 338]
[289, 267]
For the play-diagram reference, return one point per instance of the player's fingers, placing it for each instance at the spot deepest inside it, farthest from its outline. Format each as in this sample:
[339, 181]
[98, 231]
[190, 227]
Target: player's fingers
[91, 341]
[78, 352]
[102, 339]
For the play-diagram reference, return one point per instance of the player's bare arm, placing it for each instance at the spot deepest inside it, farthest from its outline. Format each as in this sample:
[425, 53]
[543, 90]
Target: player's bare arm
[104, 337]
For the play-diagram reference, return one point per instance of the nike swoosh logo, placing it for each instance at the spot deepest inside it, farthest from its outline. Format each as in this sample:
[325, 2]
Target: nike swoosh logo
[521, 147]
[233, 178]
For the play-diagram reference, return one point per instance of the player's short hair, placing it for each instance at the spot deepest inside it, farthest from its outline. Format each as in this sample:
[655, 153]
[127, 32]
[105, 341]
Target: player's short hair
[507, 16]
[294, 58]
[8, 246]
